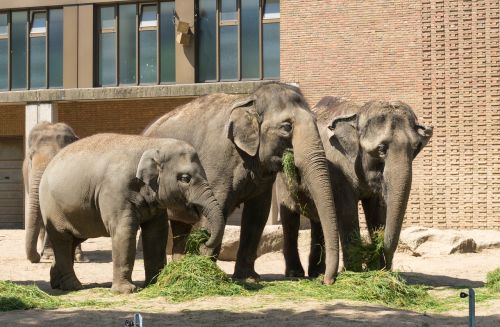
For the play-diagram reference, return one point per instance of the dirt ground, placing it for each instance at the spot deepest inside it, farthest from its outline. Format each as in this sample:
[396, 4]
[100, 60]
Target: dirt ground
[451, 270]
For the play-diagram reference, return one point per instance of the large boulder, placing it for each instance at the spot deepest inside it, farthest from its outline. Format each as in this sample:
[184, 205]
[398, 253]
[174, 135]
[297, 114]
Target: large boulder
[271, 241]
[421, 241]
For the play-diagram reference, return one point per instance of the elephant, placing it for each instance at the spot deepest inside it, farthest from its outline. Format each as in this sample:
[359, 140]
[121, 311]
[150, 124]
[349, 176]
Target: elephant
[111, 185]
[44, 142]
[241, 140]
[370, 150]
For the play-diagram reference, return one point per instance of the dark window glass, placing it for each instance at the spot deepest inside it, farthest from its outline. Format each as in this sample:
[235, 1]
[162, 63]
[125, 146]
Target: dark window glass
[37, 62]
[107, 47]
[127, 36]
[56, 48]
[207, 40]
[272, 9]
[250, 39]
[228, 52]
[4, 52]
[167, 42]
[228, 10]
[148, 45]
[18, 49]
[271, 50]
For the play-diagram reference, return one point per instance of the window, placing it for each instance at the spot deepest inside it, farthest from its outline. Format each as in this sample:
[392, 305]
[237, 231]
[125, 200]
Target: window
[136, 44]
[31, 49]
[238, 40]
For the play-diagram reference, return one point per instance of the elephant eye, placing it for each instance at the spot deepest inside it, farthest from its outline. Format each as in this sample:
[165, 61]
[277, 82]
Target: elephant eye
[185, 178]
[382, 149]
[286, 127]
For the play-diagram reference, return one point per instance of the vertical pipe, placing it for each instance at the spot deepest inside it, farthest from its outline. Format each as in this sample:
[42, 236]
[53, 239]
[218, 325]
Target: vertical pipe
[472, 308]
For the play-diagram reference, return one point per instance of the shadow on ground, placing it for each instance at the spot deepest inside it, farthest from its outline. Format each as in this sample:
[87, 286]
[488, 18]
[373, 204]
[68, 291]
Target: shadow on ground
[328, 315]
[439, 280]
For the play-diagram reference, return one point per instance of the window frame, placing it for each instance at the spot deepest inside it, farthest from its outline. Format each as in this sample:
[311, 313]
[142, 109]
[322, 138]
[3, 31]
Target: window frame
[138, 29]
[236, 22]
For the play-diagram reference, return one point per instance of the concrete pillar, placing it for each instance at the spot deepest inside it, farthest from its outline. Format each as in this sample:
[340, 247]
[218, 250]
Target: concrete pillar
[185, 54]
[35, 113]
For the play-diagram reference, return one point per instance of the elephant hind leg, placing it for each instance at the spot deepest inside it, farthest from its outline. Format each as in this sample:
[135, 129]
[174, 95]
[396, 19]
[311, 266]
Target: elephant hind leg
[62, 274]
[290, 221]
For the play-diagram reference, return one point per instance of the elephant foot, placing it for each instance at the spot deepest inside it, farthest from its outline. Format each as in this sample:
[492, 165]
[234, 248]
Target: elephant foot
[294, 272]
[315, 271]
[246, 275]
[34, 257]
[124, 287]
[67, 282]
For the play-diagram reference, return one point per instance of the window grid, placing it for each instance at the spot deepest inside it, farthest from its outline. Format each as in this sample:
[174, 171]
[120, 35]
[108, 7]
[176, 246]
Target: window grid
[29, 35]
[275, 18]
[138, 30]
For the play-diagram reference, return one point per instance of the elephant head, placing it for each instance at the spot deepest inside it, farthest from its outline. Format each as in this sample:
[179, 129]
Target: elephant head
[176, 180]
[44, 142]
[382, 139]
[276, 117]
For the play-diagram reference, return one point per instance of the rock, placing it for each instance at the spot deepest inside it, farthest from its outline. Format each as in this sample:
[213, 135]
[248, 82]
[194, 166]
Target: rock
[421, 241]
[271, 241]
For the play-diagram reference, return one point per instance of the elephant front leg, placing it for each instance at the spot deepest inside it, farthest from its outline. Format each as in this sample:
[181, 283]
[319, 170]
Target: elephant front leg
[254, 217]
[290, 221]
[154, 243]
[317, 251]
[180, 233]
[123, 252]
[375, 214]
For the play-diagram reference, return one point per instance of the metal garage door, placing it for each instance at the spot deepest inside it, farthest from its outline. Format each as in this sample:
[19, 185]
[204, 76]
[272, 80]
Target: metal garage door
[11, 183]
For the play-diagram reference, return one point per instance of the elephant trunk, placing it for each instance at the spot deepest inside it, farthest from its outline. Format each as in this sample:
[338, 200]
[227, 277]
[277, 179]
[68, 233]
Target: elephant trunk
[398, 178]
[34, 219]
[205, 200]
[311, 162]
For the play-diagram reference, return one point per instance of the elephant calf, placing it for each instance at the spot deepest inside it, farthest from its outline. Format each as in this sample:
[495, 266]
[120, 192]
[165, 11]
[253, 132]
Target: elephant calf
[110, 185]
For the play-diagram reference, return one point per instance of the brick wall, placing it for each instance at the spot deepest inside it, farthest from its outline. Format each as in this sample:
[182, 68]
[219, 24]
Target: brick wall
[11, 120]
[441, 57]
[126, 116]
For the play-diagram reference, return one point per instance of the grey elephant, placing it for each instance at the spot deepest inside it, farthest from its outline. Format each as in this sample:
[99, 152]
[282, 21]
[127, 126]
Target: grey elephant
[44, 142]
[370, 150]
[112, 185]
[241, 141]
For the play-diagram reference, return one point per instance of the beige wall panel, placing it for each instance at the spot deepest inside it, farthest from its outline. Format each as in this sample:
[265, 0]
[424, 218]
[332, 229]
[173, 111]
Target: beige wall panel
[85, 46]
[70, 47]
[185, 55]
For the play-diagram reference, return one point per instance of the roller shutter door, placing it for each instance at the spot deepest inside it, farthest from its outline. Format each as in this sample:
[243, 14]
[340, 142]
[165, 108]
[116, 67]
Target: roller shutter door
[11, 183]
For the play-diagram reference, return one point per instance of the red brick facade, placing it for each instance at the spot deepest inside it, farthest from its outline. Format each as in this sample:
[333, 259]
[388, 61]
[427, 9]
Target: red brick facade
[441, 57]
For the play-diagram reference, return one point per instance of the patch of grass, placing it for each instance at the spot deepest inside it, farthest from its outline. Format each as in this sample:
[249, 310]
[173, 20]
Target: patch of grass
[381, 287]
[195, 239]
[493, 280]
[20, 297]
[192, 277]
[365, 255]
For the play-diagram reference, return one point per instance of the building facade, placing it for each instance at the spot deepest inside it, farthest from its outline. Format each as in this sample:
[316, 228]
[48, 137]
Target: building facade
[115, 66]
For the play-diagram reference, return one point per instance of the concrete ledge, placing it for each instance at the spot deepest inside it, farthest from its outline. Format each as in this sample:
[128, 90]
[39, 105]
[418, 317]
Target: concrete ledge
[127, 92]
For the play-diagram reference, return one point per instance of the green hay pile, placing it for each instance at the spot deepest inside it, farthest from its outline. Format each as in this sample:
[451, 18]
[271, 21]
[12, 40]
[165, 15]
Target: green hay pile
[382, 287]
[19, 297]
[290, 171]
[493, 280]
[192, 277]
[364, 255]
[195, 239]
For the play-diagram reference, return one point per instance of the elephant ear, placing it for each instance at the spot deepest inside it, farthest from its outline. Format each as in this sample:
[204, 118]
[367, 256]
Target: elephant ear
[425, 133]
[148, 168]
[343, 135]
[243, 128]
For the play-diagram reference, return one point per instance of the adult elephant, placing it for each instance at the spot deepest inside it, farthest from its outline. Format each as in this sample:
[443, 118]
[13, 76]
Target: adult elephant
[370, 150]
[240, 141]
[44, 142]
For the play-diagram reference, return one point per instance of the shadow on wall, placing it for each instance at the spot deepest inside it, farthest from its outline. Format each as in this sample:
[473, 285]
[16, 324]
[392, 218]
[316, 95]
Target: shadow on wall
[323, 315]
